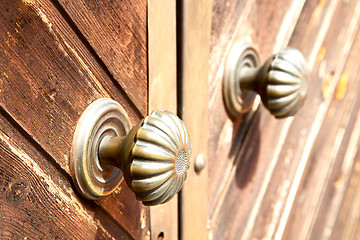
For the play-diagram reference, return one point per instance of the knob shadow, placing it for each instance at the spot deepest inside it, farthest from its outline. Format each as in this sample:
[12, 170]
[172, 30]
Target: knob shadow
[248, 154]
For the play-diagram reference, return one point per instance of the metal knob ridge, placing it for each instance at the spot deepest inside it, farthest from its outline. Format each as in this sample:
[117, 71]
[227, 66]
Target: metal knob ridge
[153, 156]
[281, 82]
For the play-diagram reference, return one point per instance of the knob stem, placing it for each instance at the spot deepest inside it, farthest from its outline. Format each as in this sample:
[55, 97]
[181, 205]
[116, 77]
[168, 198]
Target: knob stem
[282, 82]
[109, 150]
[116, 151]
[153, 156]
[255, 78]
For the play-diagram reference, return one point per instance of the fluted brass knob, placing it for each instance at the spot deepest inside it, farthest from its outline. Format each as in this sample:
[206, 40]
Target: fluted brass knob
[153, 157]
[281, 82]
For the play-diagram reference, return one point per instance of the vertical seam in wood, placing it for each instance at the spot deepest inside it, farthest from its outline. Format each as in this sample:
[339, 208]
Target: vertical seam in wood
[179, 88]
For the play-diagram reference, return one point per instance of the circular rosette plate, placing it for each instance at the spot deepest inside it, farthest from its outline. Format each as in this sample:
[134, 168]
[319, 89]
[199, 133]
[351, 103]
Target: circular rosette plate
[237, 101]
[161, 157]
[104, 117]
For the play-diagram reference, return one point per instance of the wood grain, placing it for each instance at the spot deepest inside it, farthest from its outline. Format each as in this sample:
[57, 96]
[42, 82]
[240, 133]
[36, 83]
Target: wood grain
[37, 201]
[333, 163]
[267, 24]
[261, 190]
[117, 32]
[46, 75]
[48, 78]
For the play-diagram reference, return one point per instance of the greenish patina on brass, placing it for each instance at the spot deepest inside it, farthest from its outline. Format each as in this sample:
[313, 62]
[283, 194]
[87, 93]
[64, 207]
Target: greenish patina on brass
[153, 157]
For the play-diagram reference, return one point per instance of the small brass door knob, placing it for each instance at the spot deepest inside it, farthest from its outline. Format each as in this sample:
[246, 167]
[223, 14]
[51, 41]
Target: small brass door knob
[153, 156]
[281, 82]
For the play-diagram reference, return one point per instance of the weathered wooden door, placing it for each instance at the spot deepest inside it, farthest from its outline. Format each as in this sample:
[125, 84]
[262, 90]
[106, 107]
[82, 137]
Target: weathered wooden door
[56, 58]
[251, 177]
[264, 178]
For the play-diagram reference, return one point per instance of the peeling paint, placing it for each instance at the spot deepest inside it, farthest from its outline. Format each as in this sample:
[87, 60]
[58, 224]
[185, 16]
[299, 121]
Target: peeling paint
[52, 95]
[143, 219]
[321, 54]
[341, 87]
[36, 6]
[326, 86]
[148, 234]
[10, 39]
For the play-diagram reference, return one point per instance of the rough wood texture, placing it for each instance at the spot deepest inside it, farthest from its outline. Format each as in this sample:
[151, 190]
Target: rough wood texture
[243, 21]
[291, 177]
[116, 30]
[334, 153]
[47, 79]
[37, 201]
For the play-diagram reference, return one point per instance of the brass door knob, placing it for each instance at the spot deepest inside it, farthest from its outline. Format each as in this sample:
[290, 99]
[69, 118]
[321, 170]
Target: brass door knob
[153, 156]
[281, 82]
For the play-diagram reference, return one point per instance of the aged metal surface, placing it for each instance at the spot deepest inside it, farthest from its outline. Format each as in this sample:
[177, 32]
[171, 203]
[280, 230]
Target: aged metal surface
[282, 81]
[153, 157]
[103, 118]
[238, 100]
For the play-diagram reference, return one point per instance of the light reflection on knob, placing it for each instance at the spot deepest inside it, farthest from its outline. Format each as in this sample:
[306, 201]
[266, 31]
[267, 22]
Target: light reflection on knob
[153, 157]
[281, 82]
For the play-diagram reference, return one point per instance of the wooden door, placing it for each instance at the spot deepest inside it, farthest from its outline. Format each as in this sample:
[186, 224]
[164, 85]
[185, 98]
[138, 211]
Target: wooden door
[253, 177]
[56, 58]
[264, 178]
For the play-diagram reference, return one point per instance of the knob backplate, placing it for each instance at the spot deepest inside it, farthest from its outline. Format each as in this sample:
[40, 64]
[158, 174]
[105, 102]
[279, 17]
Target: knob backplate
[241, 55]
[104, 117]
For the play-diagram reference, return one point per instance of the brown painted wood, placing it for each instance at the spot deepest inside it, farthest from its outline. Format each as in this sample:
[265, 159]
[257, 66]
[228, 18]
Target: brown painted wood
[234, 21]
[37, 200]
[265, 175]
[45, 73]
[116, 30]
[48, 78]
[331, 168]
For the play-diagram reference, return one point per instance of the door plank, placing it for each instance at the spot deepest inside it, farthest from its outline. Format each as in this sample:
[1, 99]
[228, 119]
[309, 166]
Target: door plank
[162, 95]
[48, 78]
[47, 75]
[328, 175]
[269, 26]
[348, 221]
[194, 47]
[285, 144]
[116, 30]
[38, 202]
[260, 20]
[347, 217]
